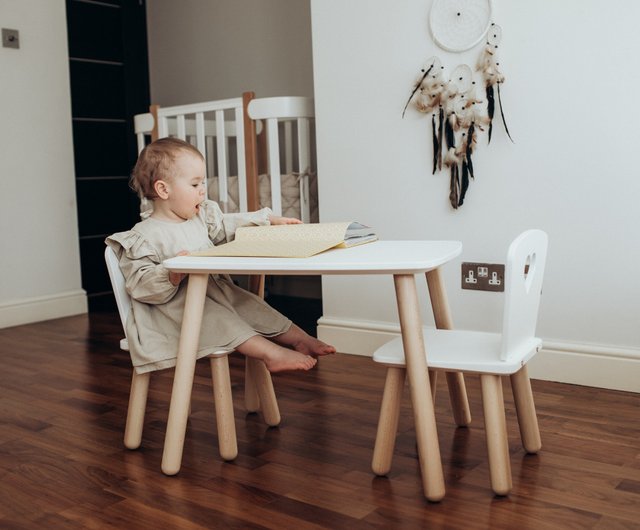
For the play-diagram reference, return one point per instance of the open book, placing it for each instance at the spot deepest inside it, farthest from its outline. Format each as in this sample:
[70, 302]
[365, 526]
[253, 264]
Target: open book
[292, 241]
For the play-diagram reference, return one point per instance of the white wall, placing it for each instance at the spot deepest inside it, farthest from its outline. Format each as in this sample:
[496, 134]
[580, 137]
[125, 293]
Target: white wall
[39, 261]
[216, 49]
[568, 97]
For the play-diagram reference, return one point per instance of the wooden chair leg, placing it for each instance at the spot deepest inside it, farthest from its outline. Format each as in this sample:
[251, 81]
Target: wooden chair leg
[526, 411]
[224, 407]
[458, 398]
[251, 398]
[388, 421]
[266, 393]
[136, 410]
[496, 432]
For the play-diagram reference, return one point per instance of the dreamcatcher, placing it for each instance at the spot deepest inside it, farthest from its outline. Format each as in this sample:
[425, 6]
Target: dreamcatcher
[457, 113]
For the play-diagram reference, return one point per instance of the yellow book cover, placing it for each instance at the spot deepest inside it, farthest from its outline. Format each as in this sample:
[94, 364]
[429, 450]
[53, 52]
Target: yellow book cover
[292, 241]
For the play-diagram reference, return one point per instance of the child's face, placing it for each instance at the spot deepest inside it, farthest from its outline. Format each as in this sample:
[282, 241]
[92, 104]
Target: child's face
[186, 188]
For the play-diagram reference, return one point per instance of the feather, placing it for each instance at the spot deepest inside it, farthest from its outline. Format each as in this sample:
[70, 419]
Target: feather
[449, 132]
[440, 131]
[490, 108]
[470, 141]
[436, 147]
[464, 182]
[418, 84]
[454, 187]
[502, 114]
[451, 158]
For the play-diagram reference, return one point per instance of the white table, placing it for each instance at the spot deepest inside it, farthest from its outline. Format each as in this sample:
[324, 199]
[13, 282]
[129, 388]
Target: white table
[402, 260]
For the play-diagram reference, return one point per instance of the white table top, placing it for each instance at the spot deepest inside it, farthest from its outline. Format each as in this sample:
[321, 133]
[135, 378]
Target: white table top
[379, 257]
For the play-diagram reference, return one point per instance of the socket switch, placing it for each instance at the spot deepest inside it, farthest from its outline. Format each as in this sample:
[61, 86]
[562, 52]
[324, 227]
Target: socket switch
[483, 276]
[10, 38]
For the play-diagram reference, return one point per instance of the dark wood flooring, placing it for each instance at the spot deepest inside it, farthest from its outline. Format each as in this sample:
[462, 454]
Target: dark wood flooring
[63, 395]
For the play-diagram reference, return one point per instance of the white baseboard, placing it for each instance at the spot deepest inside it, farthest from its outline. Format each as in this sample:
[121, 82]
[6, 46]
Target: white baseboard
[28, 310]
[580, 364]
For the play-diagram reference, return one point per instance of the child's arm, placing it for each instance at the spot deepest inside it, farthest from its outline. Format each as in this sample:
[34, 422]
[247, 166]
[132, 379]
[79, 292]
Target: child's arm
[176, 277]
[146, 280]
[222, 226]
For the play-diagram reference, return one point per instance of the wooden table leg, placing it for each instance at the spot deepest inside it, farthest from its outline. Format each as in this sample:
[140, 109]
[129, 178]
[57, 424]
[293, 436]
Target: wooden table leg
[416, 362]
[183, 378]
[251, 397]
[443, 320]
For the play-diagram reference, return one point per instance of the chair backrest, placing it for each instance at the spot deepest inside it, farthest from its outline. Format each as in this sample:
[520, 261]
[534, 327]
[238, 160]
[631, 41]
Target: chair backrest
[523, 286]
[118, 284]
[287, 111]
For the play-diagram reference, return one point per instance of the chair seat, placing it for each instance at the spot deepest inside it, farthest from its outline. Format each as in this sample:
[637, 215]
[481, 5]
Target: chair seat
[461, 350]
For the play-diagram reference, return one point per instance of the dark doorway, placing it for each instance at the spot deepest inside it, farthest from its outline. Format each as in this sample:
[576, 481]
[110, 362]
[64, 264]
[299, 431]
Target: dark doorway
[109, 73]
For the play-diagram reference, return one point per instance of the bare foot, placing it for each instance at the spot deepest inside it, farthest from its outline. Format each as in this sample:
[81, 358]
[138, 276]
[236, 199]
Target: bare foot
[302, 342]
[282, 359]
[311, 346]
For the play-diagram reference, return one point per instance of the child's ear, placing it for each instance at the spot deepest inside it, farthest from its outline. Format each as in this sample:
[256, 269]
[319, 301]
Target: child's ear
[161, 188]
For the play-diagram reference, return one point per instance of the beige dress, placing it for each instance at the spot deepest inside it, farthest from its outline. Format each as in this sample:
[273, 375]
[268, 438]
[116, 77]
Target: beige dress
[231, 314]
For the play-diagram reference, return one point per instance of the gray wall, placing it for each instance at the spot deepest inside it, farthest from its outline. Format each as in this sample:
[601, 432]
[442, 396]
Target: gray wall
[215, 49]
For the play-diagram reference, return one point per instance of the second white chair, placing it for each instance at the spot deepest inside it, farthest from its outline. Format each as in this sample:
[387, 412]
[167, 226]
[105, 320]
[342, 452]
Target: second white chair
[491, 355]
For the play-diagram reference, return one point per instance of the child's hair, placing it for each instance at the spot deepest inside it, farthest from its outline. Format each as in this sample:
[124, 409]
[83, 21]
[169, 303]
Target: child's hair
[156, 162]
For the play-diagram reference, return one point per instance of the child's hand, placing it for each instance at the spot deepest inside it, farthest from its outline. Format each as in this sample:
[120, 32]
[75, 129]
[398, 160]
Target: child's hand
[275, 220]
[176, 277]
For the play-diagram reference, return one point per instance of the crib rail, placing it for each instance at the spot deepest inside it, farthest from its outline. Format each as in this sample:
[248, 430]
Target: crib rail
[287, 111]
[217, 129]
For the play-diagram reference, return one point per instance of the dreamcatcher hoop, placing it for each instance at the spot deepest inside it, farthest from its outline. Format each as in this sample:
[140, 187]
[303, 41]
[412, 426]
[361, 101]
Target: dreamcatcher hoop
[459, 25]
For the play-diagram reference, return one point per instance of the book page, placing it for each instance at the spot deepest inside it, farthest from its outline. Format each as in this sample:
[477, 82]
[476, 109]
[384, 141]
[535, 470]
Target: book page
[269, 249]
[289, 241]
[294, 233]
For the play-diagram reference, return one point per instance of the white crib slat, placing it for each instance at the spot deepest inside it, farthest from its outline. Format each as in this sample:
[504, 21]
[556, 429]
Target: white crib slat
[304, 167]
[201, 146]
[223, 171]
[240, 157]
[163, 127]
[210, 162]
[182, 130]
[274, 165]
[200, 134]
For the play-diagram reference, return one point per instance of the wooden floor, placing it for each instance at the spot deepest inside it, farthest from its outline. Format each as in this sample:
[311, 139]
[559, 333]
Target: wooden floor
[63, 396]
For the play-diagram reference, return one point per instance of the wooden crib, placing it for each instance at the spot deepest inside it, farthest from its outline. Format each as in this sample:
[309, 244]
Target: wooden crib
[258, 151]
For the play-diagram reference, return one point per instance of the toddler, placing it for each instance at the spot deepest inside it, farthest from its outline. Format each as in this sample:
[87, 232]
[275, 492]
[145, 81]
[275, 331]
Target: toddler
[170, 172]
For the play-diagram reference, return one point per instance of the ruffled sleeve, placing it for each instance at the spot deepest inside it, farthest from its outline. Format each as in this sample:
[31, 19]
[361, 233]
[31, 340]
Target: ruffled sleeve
[222, 226]
[146, 280]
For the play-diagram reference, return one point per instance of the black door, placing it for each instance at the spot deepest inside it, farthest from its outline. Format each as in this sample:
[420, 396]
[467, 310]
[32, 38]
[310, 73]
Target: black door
[109, 74]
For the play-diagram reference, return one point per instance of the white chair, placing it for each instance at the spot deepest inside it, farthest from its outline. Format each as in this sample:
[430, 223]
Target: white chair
[491, 355]
[219, 372]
